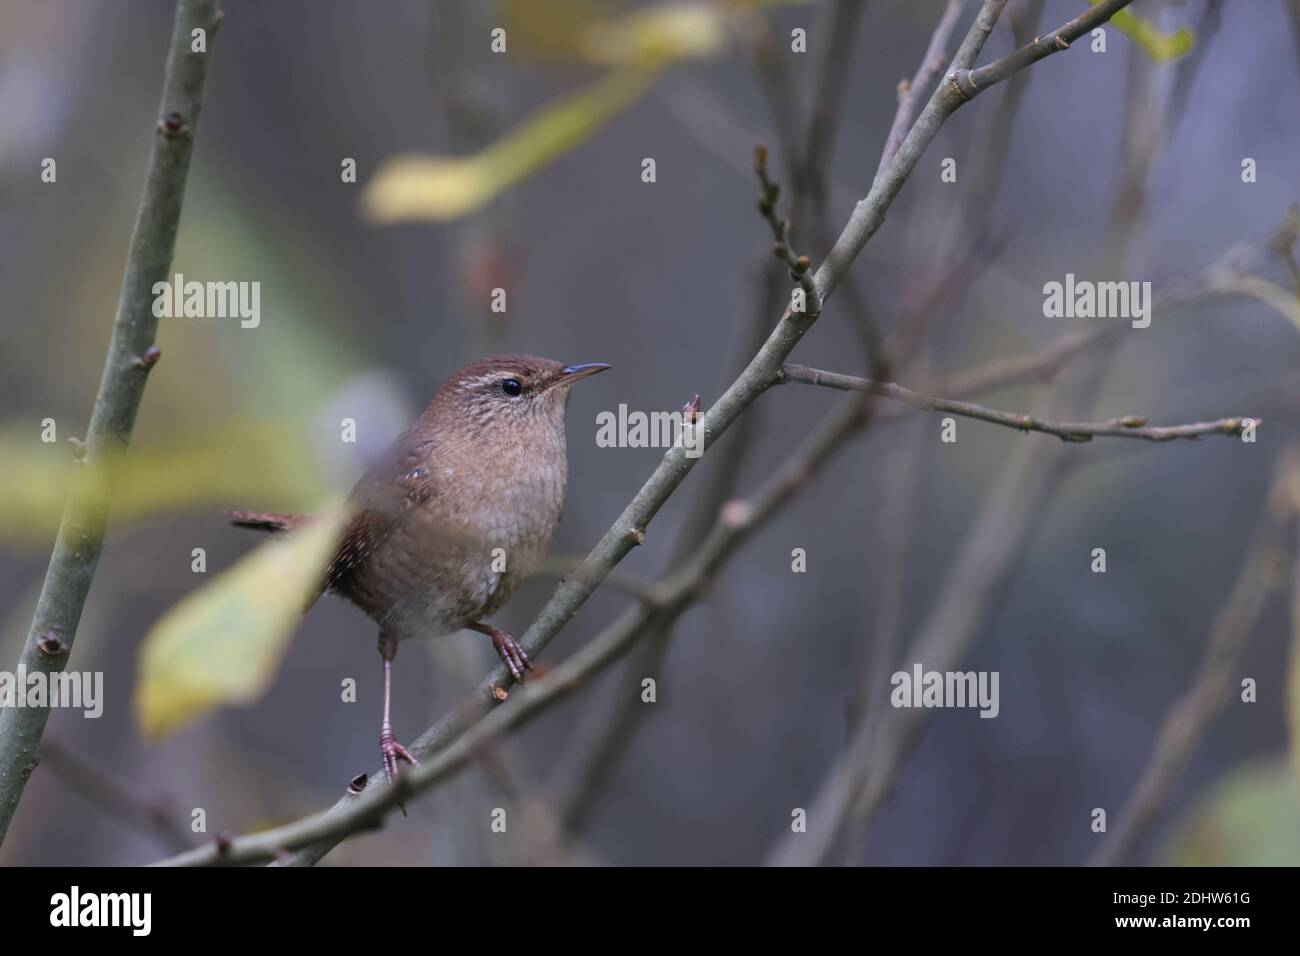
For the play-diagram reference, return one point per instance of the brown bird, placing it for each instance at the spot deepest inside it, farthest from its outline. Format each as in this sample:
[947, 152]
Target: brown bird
[456, 514]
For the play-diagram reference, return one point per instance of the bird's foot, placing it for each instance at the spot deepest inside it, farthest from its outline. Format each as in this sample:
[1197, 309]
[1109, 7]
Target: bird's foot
[511, 654]
[393, 752]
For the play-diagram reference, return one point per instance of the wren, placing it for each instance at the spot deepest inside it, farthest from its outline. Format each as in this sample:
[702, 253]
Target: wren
[475, 485]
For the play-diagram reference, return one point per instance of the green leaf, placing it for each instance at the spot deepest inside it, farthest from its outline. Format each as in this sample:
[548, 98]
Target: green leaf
[1251, 818]
[1161, 47]
[224, 643]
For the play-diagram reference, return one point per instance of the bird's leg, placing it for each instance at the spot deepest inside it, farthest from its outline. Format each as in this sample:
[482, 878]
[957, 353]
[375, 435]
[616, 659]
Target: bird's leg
[507, 648]
[391, 751]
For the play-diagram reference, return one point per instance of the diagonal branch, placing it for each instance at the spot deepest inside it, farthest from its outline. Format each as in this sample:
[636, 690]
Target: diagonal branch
[674, 595]
[912, 92]
[131, 353]
[319, 834]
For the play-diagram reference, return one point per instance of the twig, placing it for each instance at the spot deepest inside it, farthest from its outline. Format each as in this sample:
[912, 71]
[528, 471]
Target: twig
[911, 93]
[606, 731]
[800, 266]
[113, 795]
[964, 243]
[1047, 362]
[1191, 714]
[842, 18]
[869, 214]
[970, 83]
[81, 533]
[590, 759]
[680, 590]
[863, 778]
[562, 565]
[325, 830]
[1131, 426]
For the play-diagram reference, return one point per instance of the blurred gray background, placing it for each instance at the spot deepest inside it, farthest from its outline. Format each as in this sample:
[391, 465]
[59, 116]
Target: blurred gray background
[664, 281]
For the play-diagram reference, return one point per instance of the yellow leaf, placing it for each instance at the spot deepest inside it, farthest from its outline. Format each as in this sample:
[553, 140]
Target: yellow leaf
[1161, 47]
[223, 643]
[551, 30]
[229, 463]
[420, 187]
[658, 35]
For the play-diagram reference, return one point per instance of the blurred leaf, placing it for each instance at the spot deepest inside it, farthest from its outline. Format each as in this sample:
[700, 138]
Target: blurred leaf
[415, 187]
[1250, 818]
[658, 35]
[639, 45]
[263, 462]
[223, 643]
[552, 30]
[1161, 47]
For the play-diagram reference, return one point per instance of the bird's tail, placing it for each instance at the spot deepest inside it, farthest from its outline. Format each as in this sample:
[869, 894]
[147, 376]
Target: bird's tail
[267, 521]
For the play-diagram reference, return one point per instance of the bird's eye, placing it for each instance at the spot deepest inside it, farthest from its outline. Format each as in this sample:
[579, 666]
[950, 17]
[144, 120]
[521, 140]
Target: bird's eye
[512, 387]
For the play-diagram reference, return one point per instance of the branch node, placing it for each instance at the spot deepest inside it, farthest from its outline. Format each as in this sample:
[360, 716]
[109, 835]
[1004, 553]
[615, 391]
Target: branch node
[51, 645]
[962, 85]
[150, 358]
[173, 125]
[691, 410]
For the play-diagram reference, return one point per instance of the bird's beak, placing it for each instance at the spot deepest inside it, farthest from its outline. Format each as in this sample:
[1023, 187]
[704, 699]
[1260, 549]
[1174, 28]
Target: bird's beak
[572, 373]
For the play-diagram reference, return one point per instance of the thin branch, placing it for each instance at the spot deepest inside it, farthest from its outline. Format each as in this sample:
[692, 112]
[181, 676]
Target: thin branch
[737, 523]
[800, 266]
[114, 795]
[970, 83]
[131, 353]
[1130, 426]
[980, 574]
[562, 565]
[1046, 363]
[911, 93]
[325, 830]
[869, 214]
[842, 18]
[863, 777]
[606, 732]
[1191, 714]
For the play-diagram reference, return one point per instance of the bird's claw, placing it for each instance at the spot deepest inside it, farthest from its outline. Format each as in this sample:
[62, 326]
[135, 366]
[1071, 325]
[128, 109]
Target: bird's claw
[393, 753]
[512, 655]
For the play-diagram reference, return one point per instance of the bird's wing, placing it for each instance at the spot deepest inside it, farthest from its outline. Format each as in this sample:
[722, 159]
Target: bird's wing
[386, 494]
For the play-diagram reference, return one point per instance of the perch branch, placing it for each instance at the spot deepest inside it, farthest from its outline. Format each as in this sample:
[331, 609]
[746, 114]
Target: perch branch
[735, 525]
[317, 835]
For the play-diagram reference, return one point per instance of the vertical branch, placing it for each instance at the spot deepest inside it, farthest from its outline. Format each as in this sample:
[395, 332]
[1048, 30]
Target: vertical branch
[131, 353]
[1262, 570]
